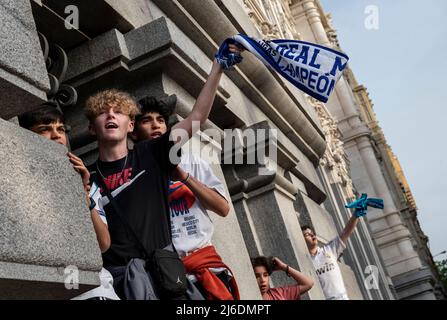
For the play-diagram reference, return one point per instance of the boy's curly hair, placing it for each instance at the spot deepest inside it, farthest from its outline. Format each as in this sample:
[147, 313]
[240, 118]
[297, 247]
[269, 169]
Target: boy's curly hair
[111, 98]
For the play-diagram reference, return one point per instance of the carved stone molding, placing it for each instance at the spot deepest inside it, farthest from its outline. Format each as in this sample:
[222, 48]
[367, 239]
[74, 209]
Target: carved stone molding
[334, 159]
[273, 18]
[56, 62]
[331, 32]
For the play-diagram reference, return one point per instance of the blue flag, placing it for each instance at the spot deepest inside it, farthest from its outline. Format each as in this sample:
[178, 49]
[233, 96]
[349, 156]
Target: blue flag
[311, 68]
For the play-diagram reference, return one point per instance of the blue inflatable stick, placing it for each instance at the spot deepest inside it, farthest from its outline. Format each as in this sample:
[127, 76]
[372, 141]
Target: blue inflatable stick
[361, 205]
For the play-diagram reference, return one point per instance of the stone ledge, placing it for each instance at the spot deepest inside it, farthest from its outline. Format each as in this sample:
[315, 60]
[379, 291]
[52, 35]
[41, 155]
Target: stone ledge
[22, 281]
[417, 284]
[23, 75]
[45, 224]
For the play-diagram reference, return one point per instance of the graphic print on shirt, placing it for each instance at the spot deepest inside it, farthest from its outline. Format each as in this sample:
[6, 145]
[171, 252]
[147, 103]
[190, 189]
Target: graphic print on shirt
[326, 268]
[117, 179]
[181, 199]
[329, 264]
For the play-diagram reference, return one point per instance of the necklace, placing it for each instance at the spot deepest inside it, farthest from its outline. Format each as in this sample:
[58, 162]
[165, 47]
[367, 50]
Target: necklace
[117, 177]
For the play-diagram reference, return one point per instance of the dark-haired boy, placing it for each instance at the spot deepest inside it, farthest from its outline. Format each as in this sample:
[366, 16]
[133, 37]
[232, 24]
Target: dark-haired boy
[196, 191]
[263, 267]
[47, 121]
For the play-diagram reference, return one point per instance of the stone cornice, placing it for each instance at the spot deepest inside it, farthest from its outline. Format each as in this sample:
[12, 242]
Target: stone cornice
[260, 184]
[355, 133]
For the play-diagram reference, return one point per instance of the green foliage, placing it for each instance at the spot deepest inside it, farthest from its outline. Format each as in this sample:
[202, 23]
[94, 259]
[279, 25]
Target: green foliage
[442, 268]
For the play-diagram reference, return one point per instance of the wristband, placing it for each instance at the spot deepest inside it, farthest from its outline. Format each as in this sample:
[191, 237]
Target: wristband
[287, 271]
[184, 181]
[92, 204]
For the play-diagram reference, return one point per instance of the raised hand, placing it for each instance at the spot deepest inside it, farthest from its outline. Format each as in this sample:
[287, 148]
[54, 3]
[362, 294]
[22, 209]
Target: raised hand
[79, 166]
[362, 204]
[278, 264]
[229, 54]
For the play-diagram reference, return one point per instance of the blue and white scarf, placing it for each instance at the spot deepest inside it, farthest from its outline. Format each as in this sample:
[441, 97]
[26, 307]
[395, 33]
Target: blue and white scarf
[311, 68]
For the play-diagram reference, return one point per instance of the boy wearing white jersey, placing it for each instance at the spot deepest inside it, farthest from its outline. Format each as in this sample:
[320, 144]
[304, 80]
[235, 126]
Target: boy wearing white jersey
[325, 260]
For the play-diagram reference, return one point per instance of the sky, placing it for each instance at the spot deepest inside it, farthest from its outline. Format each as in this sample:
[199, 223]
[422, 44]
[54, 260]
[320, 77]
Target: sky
[403, 64]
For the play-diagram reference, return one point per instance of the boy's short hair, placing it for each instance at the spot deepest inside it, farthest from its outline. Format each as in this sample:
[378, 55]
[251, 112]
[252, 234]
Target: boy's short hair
[46, 114]
[151, 104]
[307, 227]
[107, 99]
[262, 261]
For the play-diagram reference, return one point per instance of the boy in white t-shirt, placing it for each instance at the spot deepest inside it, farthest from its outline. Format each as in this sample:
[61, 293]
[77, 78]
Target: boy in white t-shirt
[325, 260]
[193, 190]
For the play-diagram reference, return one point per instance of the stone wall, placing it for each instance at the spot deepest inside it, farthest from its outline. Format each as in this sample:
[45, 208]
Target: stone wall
[45, 225]
[23, 76]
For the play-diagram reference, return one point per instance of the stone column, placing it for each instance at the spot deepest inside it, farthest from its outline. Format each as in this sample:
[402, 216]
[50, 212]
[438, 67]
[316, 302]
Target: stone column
[314, 19]
[338, 185]
[372, 166]
[264, 204]
[390, 234]
[362, 248]
[264, 207]
[342, 89]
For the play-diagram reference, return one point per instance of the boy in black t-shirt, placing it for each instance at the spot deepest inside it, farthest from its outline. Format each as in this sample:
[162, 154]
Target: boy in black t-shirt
[137, 179]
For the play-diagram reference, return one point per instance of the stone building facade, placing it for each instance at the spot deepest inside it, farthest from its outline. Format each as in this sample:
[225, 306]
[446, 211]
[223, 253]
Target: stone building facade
[401, 243]
[323, 154]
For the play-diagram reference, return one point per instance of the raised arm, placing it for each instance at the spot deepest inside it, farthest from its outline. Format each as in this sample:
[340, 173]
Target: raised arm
[101, 229]
[205, 100]
[304, 282]
[208, 197]
[349, 228]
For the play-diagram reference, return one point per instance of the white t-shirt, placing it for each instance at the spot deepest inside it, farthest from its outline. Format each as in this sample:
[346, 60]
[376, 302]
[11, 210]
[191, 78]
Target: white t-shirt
[328, 271]
[96, 196]
[191, 226]
[105, 290]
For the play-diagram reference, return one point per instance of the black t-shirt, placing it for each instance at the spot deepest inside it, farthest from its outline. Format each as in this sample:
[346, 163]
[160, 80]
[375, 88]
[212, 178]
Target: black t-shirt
[139, 184]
